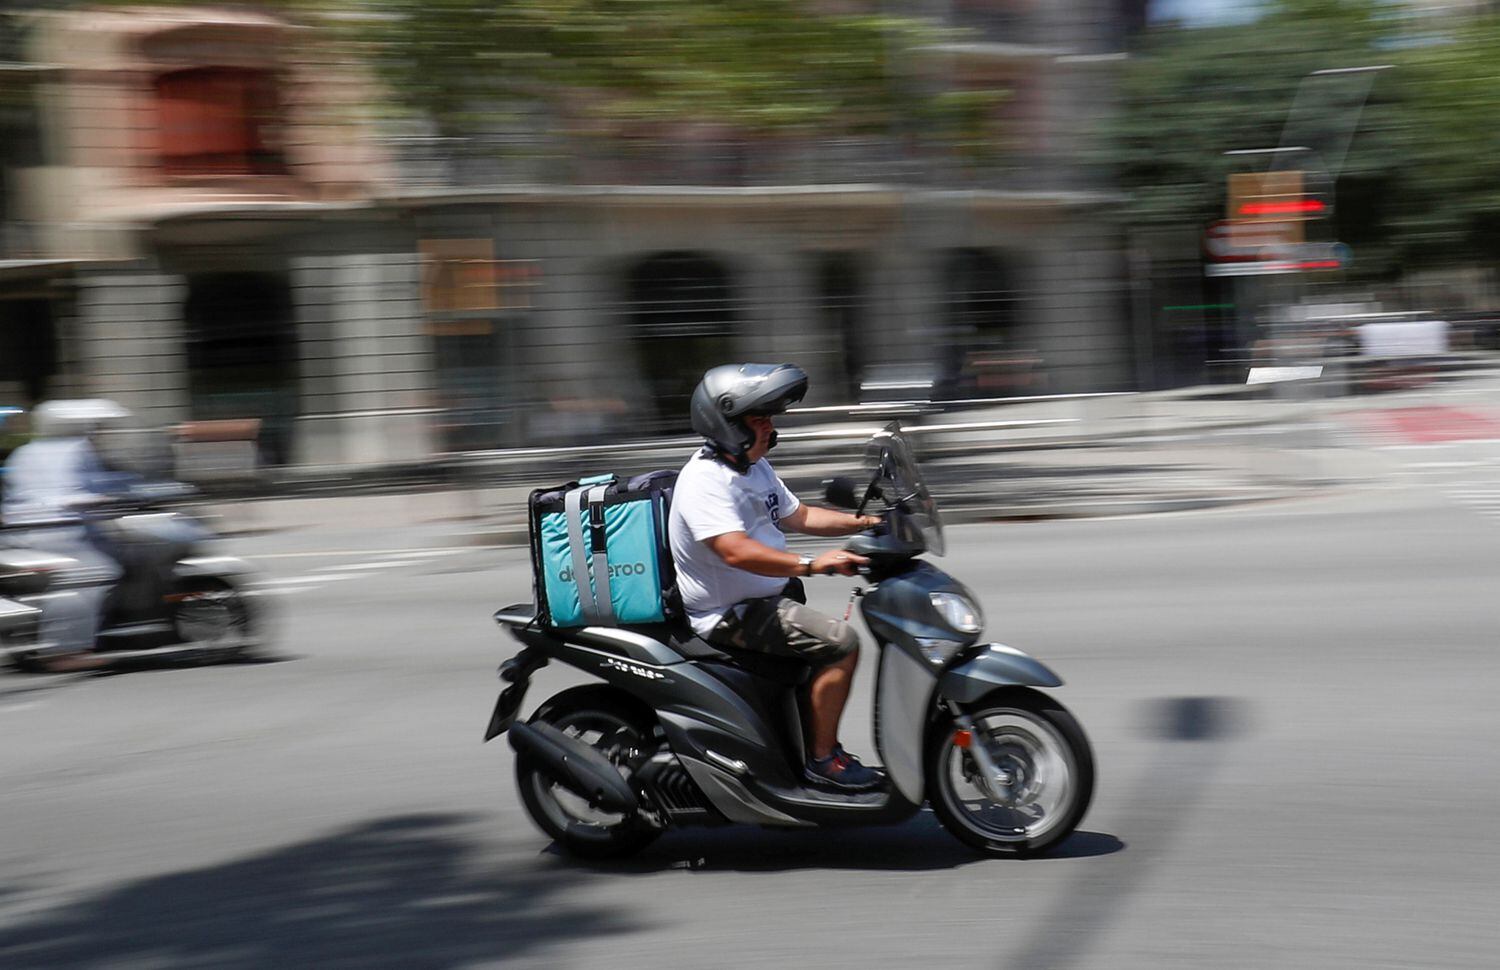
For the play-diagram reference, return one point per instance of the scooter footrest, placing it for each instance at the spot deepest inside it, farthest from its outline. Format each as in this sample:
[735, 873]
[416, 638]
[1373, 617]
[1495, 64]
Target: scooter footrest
[873, 798]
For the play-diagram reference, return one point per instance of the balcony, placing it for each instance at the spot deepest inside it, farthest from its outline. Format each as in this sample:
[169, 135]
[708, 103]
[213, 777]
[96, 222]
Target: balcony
[719, 162]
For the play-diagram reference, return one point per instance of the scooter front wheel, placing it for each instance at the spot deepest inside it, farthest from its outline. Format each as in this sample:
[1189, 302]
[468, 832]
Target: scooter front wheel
[619, 731]
[1040, 778]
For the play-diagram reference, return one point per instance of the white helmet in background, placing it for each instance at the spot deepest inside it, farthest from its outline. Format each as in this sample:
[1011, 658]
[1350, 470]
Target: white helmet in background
[77, 418]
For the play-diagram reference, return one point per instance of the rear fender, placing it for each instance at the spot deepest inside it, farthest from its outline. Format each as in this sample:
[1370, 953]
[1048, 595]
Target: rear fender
[516, 672]
[229, 568]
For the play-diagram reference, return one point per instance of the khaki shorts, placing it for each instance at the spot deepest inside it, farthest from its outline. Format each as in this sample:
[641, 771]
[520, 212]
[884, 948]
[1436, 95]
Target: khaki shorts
[783, 627]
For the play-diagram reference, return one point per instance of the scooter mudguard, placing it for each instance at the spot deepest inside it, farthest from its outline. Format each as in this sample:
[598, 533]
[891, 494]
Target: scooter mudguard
[997, 666]
[504, 714]
[516, 672]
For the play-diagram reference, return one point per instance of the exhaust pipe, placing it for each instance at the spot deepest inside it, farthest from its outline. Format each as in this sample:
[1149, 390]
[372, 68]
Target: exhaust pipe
[574, 765]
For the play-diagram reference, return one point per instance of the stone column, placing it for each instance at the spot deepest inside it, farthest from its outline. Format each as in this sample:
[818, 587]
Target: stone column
[1081, 328]
[129, 343]
[366, 360]
[779, 298]
[906, 302]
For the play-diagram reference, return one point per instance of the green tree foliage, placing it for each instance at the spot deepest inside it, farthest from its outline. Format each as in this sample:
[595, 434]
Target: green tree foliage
[1420, 184]
[1446, 194]
[805, 67]
[757, 64]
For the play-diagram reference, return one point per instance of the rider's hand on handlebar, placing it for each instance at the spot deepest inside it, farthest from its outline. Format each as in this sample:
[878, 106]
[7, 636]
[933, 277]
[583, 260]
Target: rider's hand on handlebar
[838, 561]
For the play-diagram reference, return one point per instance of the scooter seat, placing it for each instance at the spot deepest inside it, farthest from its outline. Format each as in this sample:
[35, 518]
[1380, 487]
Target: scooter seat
[787, 670]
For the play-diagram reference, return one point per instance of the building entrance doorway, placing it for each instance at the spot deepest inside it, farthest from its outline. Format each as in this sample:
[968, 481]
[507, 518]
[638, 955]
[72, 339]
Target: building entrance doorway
[982, 315]
[28, 351]
[241, 344]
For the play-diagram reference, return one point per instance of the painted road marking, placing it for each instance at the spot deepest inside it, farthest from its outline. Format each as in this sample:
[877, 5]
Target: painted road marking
[321, 576]
[302, 580]
[389, 553]
[1435, 424]
[387, 564]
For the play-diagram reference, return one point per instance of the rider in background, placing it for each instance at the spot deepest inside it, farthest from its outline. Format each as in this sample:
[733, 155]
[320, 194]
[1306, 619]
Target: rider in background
[50, 482]
[730, 511]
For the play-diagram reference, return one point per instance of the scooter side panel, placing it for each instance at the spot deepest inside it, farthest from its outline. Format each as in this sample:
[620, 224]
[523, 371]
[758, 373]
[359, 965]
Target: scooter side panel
[15, 616]
[904, 698]
[730, 796]
[699, 712]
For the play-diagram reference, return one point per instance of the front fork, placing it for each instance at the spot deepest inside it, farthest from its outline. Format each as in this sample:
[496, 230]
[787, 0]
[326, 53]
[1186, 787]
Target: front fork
[995, 780]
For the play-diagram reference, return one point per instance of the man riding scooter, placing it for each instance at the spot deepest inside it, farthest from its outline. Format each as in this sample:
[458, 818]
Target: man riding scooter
[50, 482]
[151, 585]
[729, 514]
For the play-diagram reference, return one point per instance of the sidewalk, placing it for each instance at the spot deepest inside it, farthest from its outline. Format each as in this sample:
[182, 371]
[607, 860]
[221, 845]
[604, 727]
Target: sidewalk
[1076, 457]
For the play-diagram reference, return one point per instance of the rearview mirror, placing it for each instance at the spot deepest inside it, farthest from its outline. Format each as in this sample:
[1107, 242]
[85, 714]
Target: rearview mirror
[842, 492]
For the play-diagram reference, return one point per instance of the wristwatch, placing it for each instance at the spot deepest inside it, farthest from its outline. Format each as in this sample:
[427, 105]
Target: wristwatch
[806, 563]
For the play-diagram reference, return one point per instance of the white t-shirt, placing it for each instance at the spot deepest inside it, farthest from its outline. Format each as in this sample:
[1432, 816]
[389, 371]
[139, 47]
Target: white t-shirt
[711, 499]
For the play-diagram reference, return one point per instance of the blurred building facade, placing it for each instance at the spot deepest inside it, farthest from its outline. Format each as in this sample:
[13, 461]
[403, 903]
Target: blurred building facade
[204, 219]
[199, 211]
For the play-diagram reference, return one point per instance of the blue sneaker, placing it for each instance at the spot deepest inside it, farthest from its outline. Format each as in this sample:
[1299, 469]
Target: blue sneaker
[842, 771]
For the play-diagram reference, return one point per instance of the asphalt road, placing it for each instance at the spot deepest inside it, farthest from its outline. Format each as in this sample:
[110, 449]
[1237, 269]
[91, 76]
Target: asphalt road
[1292, 706]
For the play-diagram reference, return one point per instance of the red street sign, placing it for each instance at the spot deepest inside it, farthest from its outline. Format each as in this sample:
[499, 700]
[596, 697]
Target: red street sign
[1231, 241]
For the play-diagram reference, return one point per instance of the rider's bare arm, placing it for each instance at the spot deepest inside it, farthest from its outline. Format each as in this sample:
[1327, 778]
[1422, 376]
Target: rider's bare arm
[814, 521]
[742, 552]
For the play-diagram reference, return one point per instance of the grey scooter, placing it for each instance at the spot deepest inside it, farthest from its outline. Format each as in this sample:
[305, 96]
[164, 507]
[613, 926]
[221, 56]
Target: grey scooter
[173, 597]
[685, 733]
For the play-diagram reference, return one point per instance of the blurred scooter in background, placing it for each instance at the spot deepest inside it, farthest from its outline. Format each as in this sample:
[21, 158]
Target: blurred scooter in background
[116, 568]
[172, 595]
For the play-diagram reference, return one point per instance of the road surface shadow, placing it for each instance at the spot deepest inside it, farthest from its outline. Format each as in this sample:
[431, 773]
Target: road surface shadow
[917, 845]
[1193, 737]
[187, 659]
[1195, 718]
[400, 892]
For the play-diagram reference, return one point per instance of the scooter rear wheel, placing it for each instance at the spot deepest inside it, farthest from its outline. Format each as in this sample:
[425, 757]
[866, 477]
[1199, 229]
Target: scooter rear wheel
[622, 733]
[1048, 775]
[213, 613]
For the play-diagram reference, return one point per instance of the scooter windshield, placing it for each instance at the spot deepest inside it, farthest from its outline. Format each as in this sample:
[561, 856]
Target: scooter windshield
[895, 471]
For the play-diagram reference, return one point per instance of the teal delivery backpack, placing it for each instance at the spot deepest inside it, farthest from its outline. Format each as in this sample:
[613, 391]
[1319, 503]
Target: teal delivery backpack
[599, 552]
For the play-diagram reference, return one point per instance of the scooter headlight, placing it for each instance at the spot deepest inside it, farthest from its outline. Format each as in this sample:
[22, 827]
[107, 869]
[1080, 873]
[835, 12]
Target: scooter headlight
[959, 612]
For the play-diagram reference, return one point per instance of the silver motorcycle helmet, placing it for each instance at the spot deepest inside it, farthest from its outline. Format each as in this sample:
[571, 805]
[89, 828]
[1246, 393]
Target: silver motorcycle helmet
[730, 393]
